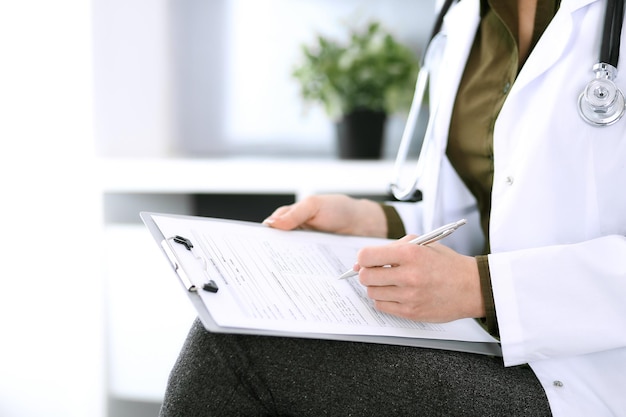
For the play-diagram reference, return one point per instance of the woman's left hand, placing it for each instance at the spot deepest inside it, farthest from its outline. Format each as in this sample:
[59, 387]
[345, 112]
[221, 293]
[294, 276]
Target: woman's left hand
[425, 283]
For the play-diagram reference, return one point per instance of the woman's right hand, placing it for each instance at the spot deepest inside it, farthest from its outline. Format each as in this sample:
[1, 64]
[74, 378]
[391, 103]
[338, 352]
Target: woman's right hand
[333, 213]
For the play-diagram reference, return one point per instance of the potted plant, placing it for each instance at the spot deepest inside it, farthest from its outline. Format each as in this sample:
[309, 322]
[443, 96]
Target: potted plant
[358, 83]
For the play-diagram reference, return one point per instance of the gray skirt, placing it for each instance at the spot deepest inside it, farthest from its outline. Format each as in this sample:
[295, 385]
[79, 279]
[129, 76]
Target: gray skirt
[236, 375]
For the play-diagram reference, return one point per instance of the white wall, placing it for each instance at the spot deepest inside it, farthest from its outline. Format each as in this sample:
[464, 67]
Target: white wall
[51, 361]
[133, 114]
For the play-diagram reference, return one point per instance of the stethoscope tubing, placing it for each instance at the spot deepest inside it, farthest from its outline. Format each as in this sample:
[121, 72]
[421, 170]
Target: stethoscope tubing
[410, 192]
[611, 32]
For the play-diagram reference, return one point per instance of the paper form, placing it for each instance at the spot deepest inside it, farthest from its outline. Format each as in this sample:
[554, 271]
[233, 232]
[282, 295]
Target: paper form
[287, 281]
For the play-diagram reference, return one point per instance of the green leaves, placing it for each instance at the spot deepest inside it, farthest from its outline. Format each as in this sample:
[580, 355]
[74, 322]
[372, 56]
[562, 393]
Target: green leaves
[371, 71]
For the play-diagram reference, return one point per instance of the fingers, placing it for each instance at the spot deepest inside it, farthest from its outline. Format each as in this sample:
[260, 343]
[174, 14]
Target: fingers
[410, 311]
[292, 216]
[393, 276]
[393, 294]
[276, 215]
[381, 265]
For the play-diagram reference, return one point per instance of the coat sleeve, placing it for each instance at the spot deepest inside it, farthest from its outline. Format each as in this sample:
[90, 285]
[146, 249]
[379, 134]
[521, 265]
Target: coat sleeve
[560, 301]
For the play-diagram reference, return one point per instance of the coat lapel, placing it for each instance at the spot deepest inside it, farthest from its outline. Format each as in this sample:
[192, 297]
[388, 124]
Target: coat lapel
[552, 45]
[458, 33]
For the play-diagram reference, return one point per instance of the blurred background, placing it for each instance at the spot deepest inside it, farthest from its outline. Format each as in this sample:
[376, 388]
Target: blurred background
[197, 77]
[111, 107]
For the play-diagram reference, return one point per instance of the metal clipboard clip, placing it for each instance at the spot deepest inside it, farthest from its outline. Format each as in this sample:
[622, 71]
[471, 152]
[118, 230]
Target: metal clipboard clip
[168, 248]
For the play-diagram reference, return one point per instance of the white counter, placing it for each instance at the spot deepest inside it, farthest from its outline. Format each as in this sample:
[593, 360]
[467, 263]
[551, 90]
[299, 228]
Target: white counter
[299, 176]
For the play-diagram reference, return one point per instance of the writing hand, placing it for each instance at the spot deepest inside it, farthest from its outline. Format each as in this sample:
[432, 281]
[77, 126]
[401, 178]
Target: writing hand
[424, 283]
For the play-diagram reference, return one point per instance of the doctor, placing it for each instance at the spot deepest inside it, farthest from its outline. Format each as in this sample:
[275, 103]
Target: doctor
[544, 268]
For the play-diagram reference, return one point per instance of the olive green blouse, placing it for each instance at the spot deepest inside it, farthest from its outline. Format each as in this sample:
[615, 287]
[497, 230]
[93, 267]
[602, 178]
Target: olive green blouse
[491, 70]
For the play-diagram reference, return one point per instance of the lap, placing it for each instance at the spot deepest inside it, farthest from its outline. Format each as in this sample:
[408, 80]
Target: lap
[222, 374]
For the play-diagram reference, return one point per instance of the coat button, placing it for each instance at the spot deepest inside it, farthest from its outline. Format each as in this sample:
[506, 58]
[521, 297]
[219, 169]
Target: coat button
[509, 180]
[558, 384]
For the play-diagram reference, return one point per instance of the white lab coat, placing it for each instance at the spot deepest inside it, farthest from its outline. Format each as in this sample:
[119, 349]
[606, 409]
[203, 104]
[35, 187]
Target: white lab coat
[558, 220]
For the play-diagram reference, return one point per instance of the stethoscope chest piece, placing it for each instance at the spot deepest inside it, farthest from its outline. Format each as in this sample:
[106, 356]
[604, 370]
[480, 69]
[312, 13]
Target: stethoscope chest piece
[602, 103]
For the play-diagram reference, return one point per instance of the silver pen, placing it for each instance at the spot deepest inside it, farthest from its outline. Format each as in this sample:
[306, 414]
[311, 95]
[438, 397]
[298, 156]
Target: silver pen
[424, 239]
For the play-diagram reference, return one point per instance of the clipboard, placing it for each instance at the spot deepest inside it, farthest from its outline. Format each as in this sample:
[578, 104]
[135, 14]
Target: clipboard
[208, 289]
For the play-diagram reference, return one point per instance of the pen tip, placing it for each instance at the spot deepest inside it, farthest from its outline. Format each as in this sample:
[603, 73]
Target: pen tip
[347, 274]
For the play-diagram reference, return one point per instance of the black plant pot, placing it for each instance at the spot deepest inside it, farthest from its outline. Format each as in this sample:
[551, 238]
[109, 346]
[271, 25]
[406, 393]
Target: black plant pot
[360, 134]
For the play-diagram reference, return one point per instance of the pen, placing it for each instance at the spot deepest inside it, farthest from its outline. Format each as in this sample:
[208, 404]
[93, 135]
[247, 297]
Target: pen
[424, 239]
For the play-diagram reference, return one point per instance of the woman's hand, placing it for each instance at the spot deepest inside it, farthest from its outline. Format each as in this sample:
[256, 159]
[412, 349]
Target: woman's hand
[332, 213]
[426, 283]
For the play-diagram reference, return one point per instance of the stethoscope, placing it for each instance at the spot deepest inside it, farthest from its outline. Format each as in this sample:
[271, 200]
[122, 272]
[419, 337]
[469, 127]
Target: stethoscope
[600, 104]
